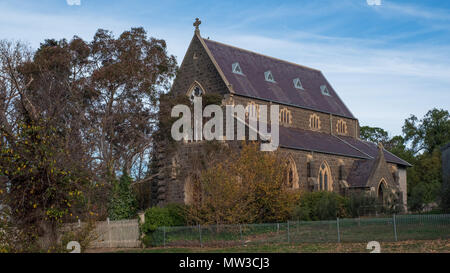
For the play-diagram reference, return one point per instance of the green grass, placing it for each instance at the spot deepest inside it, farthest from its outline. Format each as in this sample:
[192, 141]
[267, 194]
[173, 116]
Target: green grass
[426, 246]
[409, 227]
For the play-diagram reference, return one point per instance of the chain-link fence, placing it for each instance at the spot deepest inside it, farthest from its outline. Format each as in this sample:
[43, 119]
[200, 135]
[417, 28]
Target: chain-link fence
[395, 228]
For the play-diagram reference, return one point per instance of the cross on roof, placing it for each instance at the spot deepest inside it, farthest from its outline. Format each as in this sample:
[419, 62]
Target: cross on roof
[196, 24]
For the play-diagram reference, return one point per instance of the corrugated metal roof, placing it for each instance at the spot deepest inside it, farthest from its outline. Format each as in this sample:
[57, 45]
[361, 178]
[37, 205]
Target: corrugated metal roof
[253, 84]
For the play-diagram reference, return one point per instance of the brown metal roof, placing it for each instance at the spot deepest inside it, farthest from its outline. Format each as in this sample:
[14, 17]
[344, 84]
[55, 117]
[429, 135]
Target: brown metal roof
[253, 84]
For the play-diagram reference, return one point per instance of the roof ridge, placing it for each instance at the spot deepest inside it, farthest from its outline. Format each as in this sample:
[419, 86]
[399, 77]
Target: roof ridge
[263, 55]
[370, 157]
[385, 150]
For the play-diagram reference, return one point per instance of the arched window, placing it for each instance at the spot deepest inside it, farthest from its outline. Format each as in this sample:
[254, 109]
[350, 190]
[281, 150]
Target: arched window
[341, 127]
[252, 110]
[285, 116]
[381, 190]
[325, 178]
[292, 174]
[195, 91]
[192, 190]
[314, 122]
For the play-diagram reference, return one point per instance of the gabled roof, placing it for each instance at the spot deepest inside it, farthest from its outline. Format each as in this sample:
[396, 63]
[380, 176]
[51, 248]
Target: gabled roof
[371, 150]
[360, 172]
[253, 84]
[308, 140]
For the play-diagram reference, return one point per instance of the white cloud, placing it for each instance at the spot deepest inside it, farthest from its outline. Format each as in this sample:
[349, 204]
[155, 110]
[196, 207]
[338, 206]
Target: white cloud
[374, 2]
[73, 2]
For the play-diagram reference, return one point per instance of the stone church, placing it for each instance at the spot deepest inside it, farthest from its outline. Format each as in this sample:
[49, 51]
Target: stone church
[318, 134]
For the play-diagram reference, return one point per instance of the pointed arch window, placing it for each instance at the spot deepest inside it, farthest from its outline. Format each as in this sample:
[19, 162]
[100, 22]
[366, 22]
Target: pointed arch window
[269, 77]
[381, 191]
[341, 127]
[285, 116]
[298, 84]
[236, 68]
[252, 110]
[195, 91]
[292, 179]
[314, 122]
[325, 178]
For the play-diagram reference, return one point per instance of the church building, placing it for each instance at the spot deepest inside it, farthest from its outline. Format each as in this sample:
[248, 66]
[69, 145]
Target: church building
[318, 134]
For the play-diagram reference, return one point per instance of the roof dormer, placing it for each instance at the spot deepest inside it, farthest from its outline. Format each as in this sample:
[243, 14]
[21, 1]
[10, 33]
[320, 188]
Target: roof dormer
[324, 90]
[236, 68]
[298, 84]
[269, 77]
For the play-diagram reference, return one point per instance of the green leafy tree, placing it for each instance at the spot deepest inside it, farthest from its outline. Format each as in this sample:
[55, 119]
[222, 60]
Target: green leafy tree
[374, 134]
[429, 133]
[123, 204]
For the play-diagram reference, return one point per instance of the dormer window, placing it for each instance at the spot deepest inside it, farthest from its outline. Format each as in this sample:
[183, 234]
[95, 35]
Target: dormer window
[298, 84]
[324, 90]
[236, 68]
[269, 77]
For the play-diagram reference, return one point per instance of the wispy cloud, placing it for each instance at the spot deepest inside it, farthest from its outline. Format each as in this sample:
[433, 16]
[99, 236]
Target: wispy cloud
[422, 12]
[374, 2]
[73, 2]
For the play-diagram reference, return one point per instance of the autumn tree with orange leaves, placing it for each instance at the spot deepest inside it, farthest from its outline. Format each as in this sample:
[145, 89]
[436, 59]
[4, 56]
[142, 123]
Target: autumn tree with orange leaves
[249, 187]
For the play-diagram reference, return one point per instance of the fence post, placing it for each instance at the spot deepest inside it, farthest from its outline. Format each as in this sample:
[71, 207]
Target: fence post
[395, 227]
[278, 228]
[288, 234]
[240, 234]
[164, 236]
[200, 233]
[338, 231]
[109, 232]
[79, 223]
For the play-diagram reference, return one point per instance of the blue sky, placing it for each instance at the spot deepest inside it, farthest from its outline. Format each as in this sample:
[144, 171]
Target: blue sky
[386, 60]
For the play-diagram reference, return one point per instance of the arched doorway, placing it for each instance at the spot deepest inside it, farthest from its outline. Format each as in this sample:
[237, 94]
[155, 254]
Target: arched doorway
[325, 178]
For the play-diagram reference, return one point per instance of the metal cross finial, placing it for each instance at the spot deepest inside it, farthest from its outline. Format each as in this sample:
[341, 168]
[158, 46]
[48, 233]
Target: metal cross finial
[197, 23]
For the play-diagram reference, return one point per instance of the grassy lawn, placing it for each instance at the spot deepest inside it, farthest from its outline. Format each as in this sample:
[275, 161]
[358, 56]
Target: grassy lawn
[351, 231]
[417, 246]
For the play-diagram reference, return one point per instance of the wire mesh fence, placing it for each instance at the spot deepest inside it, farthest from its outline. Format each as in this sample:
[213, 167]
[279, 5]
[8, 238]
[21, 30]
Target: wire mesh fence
[382, 229]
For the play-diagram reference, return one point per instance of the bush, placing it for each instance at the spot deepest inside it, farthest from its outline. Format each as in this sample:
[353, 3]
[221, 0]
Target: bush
[360, 203]
[155, 217]
[320, 206]
[123, 204]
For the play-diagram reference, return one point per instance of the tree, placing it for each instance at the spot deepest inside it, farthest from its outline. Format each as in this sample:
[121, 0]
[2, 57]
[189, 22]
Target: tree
[429, 133]
[123, 204]
[129, 73]
[374, 134]
[249, 186]
[72, 115]
[40, 151]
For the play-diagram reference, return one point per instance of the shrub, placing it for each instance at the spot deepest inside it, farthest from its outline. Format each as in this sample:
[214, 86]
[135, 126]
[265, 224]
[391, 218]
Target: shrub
[361, 203]
[123, 204]
[320, 206]
[155, 217]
